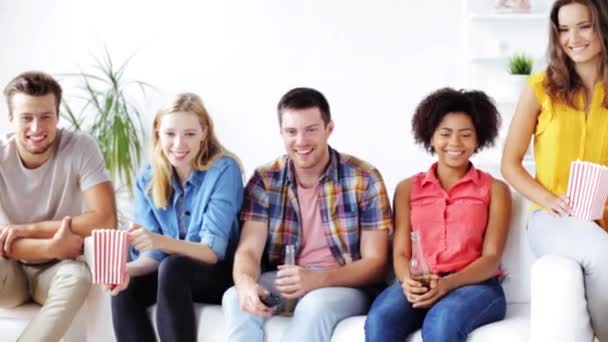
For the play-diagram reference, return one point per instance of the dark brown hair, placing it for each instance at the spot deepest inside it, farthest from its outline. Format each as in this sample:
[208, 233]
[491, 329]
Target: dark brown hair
[32, 83]
[563, 83]
[304, 98]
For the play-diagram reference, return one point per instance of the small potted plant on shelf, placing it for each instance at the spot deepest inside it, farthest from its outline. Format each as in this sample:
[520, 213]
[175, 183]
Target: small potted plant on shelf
[519, 67]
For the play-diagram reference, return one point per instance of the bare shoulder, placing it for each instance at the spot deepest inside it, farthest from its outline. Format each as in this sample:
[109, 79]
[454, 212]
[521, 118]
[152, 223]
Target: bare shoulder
[404, 186]
[500, 190]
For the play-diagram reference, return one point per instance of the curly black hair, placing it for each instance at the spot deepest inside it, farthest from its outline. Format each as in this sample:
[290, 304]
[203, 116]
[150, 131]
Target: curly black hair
[474, 103]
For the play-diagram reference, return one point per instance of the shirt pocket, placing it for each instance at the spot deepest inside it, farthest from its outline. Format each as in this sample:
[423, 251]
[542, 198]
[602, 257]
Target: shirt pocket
[346, 218]
[426, 211]
[467, 218]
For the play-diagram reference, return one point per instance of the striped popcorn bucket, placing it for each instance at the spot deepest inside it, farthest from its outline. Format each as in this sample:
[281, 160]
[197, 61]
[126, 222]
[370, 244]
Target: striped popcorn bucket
[587, 189]
[109, 256]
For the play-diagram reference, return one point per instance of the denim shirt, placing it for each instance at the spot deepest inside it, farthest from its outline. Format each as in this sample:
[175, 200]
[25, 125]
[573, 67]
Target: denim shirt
[208, 212]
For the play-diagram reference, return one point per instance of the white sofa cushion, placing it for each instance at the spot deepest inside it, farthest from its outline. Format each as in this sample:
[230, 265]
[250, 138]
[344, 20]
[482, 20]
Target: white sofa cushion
[518, 257]
[13, 321]
[558, 310]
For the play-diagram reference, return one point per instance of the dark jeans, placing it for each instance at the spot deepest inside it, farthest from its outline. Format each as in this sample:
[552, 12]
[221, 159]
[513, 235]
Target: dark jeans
[452, 318]
[178, 283]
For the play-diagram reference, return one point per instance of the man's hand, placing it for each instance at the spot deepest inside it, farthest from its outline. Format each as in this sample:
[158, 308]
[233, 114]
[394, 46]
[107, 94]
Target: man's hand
[249, 299]
[440, 286]
[10, 233]
[142, 239]
[295, 281]
[65, 244]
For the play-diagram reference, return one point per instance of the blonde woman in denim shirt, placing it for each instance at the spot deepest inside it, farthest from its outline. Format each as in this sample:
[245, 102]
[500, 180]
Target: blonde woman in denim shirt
[186, 228]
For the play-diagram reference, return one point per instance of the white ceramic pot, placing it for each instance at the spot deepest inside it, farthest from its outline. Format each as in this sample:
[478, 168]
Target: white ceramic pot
[515, 85]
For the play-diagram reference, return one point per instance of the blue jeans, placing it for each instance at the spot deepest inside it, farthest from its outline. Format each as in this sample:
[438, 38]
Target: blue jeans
[452, 318]
[314, 318]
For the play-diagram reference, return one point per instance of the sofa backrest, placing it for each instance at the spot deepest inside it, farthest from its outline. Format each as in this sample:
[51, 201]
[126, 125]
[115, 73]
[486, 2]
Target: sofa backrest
[517, 257]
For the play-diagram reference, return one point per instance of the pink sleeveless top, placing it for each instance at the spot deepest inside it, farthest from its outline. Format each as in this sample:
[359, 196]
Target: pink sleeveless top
[451, 224]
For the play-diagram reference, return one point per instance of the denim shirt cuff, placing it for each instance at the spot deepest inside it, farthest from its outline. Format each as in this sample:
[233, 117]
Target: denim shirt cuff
[217, 245]
[154, 254]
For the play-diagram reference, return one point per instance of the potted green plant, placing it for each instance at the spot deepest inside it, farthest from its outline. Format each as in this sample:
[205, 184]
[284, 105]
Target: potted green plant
[108, 111]
[519, 66]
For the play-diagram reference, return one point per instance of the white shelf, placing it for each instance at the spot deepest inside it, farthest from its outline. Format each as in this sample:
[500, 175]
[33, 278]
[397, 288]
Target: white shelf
[498, 59]
[508, 17]
[489, 41]
[488, 59]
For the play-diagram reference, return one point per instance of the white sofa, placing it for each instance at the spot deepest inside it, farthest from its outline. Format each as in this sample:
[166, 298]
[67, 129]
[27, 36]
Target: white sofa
[517, 261]
[558, 311]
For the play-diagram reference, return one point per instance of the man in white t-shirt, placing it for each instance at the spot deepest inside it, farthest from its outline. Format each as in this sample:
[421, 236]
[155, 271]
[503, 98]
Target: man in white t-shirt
[54, 189]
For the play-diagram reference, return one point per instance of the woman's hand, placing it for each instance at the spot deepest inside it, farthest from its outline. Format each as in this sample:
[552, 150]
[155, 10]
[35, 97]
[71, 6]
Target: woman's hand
[116, 289]
[412, 289]
[142, 239]
[558, 206]
[440, 286]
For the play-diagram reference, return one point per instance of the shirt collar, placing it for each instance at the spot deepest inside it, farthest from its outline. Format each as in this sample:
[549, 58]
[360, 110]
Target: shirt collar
[194, 179]
[431, 175]
[331, 172]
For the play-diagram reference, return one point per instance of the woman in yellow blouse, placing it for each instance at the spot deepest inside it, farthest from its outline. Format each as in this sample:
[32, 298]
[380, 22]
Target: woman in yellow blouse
[565, 108]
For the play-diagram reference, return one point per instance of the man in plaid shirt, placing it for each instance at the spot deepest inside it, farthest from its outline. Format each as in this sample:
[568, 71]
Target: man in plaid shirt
[332, 207]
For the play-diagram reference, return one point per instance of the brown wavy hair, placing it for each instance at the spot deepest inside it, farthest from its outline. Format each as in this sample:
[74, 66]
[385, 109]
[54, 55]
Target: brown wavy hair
[211, 149]
[563, 83]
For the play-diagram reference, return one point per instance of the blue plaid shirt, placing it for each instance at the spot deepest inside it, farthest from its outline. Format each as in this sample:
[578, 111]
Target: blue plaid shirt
[352, 197]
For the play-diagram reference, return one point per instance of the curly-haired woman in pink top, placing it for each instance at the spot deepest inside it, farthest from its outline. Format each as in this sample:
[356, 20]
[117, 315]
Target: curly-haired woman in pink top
[461, 215]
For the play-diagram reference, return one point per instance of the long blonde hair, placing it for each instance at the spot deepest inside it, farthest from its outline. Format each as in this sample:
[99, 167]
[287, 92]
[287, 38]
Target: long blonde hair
[210, 151]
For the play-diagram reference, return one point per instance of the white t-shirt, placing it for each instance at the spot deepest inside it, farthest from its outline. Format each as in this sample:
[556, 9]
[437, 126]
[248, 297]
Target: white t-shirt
[54, 189]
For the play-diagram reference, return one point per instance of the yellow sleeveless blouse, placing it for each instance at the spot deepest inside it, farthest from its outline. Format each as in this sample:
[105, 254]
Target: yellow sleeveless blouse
[563, 134]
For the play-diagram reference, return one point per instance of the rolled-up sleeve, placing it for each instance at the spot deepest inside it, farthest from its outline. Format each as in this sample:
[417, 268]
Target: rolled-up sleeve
[220, 219]
[375, 208]
[144, 216]
[256, 200]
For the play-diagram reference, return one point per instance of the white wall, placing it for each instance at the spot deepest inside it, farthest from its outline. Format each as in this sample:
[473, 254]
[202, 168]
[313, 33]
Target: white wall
[374, 60]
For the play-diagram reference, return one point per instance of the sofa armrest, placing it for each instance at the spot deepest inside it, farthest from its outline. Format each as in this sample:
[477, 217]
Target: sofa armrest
[98, 306]
[87, 253]
[558, 308]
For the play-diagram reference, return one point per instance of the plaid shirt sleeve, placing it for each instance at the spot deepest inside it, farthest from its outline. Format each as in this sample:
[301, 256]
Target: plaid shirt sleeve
[375, 208]
[255, 200]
